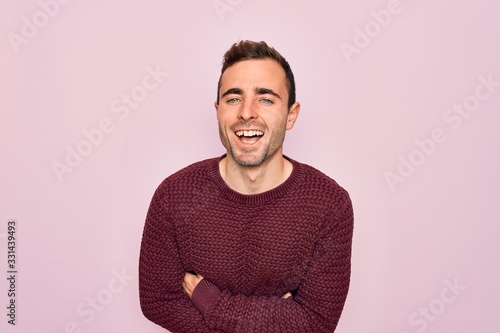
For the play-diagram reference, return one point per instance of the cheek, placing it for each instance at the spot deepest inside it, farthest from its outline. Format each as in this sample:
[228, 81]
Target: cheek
[223, 123]
[224, 117]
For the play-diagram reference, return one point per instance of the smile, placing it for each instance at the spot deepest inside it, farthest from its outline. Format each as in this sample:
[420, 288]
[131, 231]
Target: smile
[249, 137]
[249, 134]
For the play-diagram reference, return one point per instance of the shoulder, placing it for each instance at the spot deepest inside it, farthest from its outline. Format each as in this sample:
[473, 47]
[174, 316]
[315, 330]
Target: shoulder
[317, 184]
[193, 175]
[326, 195]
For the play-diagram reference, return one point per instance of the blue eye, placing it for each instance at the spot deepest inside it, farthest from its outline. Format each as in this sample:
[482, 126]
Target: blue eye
[267, 101]
[233, 100]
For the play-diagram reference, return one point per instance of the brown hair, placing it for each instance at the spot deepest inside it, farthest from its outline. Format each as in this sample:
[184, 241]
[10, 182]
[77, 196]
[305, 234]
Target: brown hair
[246, 50]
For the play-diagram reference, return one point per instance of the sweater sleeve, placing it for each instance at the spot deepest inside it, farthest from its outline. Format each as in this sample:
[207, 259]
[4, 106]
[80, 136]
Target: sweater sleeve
[161, 274]
[317, 304]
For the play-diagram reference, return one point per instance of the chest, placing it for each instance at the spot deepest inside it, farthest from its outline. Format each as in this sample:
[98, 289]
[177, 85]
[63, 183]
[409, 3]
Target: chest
[255, 250]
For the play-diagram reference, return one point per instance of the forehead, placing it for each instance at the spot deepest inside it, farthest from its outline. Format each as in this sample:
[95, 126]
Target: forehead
[265, 73]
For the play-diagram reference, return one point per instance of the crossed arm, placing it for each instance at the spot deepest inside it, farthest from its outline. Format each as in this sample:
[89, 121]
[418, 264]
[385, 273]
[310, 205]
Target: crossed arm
[315, 307]
[191, 281]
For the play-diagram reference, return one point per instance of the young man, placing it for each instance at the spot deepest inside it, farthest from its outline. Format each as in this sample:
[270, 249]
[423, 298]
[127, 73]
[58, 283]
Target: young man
[252, 241]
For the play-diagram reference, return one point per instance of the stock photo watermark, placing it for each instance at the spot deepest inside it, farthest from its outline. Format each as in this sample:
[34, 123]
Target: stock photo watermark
[121, 107]
[30, 27]
[454, 116]
[364, 35]
[222, 7]
[90, 308]
[423, 318]
[12, 269]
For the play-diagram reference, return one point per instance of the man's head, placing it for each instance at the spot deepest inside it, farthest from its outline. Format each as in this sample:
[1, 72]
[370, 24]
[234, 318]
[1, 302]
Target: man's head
[253, 105]
[247, 50]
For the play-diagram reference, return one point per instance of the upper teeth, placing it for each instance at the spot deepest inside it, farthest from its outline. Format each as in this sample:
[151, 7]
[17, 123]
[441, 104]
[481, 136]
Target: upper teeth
[249, 133]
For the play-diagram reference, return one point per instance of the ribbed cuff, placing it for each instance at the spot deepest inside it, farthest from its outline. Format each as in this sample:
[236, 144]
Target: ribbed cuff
[204, 295]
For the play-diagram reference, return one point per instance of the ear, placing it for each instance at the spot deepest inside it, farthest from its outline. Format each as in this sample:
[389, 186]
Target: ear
[293, 113]
[216, 105]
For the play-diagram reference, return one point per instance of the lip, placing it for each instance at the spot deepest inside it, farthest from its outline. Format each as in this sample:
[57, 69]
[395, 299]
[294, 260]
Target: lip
[247, 141]
[248, 129]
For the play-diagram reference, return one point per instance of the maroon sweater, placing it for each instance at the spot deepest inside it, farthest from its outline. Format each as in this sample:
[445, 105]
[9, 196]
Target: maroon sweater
[251, 250]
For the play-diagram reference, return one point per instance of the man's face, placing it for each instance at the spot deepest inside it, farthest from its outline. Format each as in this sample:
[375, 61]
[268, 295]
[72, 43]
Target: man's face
[253, 112]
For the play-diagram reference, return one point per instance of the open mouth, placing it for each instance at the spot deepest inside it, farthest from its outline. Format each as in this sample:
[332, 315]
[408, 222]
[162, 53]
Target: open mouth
[249, 137]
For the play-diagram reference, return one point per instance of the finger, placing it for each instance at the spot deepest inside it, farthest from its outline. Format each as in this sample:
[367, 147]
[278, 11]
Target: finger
[287, 295]
[185, 290]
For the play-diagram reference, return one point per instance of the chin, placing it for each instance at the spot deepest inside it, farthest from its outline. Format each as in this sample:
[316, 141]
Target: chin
[249, 161]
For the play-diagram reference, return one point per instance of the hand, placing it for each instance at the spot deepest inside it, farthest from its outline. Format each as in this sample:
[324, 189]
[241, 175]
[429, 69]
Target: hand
[190, 282]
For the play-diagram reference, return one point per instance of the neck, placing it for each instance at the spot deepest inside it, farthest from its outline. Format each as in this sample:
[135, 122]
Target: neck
[257, 179]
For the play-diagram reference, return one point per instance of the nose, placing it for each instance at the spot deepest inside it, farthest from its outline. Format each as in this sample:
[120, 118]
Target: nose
[247, 111]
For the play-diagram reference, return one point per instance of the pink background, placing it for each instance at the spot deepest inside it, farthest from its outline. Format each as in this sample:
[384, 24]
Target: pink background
[362, 115]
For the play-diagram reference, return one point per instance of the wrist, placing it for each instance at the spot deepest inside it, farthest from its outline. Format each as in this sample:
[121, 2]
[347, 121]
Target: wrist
[205, 294]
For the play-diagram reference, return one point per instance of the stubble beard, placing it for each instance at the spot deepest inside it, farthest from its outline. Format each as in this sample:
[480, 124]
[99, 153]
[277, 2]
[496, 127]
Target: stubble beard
[270, 149]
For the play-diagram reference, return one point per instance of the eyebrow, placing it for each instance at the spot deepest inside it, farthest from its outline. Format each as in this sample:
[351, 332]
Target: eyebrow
[265, 91]
[235, 91]
[258, 91]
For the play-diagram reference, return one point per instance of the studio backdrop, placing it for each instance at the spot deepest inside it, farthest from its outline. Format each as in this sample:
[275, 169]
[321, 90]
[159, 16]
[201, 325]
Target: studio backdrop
[102, 100]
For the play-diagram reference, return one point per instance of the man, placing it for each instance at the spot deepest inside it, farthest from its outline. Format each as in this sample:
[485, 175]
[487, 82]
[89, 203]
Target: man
[252, 241]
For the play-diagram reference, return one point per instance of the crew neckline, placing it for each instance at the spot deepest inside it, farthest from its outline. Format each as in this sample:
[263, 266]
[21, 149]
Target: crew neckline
[252, 199]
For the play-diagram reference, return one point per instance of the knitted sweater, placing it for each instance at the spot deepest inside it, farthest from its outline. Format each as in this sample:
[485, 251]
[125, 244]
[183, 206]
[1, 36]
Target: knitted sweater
[250, 249]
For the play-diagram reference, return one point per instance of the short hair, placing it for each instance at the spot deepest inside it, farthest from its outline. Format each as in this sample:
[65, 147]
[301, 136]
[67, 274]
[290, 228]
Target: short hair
[247, 50]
